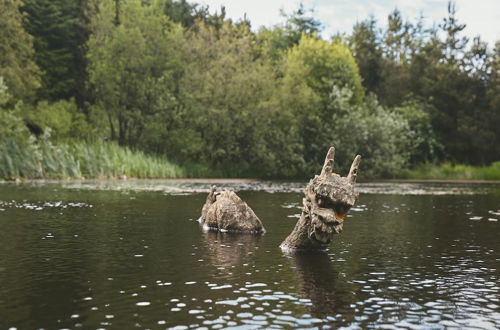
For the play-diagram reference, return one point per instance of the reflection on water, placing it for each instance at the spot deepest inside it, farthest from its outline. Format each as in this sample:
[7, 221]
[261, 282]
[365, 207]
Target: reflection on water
[226, 249]
[131, 254]
[323, 286]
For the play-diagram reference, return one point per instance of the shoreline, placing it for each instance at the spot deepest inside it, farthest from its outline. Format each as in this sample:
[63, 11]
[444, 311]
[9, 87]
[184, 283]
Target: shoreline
[242, 180]
[435, 181]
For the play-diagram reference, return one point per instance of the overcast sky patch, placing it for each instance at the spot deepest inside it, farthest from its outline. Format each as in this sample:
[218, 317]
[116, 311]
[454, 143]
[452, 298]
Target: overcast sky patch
[481, 16]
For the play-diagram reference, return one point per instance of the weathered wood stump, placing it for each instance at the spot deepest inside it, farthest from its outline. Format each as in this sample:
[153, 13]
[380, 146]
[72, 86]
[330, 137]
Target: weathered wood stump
[328, 198]
[225, 211]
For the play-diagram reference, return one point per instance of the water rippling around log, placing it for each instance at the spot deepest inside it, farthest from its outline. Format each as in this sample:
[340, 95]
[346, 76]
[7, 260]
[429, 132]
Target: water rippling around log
[122, 254]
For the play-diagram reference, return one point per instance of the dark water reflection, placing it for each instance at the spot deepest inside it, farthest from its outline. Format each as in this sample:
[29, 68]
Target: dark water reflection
[324, 286]
[225, 250]
[123, 255]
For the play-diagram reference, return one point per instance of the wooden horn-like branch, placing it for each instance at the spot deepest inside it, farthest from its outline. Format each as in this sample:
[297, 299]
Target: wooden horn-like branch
[211, 195]
[329, 160]
[353, 172]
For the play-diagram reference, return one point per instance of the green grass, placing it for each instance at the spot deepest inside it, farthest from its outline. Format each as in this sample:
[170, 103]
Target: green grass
[44, 160]
[454, 172]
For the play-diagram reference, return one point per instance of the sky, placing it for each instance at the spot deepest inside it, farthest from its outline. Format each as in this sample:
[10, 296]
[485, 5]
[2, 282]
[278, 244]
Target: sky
[482, 17]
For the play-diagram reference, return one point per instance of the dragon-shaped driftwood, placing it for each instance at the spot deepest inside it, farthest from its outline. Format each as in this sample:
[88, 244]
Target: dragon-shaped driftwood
[328, 198]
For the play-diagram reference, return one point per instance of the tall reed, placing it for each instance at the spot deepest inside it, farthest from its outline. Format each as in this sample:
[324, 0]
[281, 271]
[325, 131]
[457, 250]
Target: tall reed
[42, 159]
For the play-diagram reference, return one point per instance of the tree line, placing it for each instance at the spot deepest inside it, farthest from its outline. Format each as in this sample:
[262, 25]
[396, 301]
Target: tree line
[171, 78]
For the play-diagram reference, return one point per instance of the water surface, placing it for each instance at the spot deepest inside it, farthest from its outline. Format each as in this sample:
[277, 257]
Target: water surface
[130, 254]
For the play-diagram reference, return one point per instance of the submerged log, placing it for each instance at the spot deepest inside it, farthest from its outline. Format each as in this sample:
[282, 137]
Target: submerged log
[225, 211]
[328, 198]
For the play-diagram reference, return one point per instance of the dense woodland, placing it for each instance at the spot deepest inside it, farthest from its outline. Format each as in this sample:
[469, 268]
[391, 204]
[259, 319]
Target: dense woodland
[88, 85]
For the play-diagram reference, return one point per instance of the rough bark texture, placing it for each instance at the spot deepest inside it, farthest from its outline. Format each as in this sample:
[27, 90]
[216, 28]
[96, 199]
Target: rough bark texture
[225, 211]
[328, 198]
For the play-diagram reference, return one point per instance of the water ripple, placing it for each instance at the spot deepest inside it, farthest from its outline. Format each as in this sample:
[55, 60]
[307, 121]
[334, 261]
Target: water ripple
[183, 187]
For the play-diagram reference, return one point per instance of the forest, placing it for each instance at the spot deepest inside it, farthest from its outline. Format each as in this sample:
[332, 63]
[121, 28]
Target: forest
[171, 88]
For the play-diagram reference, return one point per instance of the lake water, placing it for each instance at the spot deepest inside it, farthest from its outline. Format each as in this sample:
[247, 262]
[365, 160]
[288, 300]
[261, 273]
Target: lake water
[131, 254]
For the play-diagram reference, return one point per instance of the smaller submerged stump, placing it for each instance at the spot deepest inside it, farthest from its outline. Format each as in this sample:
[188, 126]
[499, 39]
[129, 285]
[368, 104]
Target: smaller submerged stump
[225, 211]
[328, 198]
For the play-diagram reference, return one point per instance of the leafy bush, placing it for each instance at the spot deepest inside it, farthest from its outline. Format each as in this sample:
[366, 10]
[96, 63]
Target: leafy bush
[321, 85]
[11, 125]
[380, 135]
[424, 142]
[62, 118]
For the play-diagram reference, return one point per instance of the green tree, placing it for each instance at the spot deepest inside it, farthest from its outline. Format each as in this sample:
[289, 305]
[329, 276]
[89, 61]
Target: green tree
[12, 128]
[61, 118]
[382, 136]
[320, 65]
[424, 144]
[365, 45]
[454, 44]
[300, 22]
[59, 36]
[398, 40]
[229, 106]
[312, 70]
[17, 66]
[133, 65]
[445, 76]
[185, 13]
[275, 41]
[493, 94]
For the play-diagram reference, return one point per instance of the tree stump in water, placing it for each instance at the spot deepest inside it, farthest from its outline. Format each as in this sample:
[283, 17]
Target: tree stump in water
[225, 211]
[328, 198]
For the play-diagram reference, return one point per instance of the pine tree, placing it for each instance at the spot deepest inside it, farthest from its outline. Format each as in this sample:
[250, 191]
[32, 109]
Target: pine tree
[366, 48]
[59, 34]
[16, 52]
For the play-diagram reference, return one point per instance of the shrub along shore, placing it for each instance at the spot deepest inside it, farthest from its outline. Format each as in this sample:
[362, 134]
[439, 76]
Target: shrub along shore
[107, 160]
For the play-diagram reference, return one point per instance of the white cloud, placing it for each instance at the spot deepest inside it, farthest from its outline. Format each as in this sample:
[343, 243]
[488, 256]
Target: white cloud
[481, 16]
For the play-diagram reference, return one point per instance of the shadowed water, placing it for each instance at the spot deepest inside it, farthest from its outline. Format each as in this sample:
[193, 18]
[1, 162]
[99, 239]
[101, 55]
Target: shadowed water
[131, 254]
